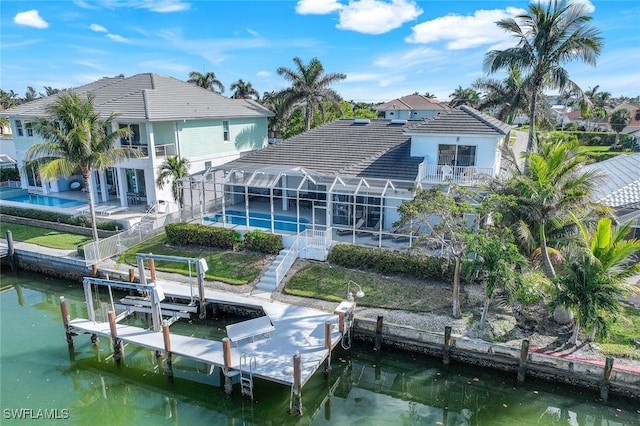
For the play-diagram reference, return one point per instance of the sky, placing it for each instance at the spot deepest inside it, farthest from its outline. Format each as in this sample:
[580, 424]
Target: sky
[386, 48]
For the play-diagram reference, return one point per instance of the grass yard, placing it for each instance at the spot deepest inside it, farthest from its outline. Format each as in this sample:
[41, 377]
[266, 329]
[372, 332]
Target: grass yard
[624, 335]
[44, 237]
[228, 267]
[327, 283]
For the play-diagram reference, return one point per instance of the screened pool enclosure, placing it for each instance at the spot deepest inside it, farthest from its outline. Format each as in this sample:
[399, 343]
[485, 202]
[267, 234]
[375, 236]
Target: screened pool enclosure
[294, 200]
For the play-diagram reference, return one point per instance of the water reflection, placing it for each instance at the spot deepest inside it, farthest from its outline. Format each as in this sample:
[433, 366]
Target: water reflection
[364, 387]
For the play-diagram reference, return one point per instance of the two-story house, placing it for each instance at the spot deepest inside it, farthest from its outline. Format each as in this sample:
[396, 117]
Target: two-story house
[167, 117]
[349, 176]
[412, 107]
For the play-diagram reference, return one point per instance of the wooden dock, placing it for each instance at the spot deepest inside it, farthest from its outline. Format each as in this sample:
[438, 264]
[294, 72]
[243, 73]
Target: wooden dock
[295, 330]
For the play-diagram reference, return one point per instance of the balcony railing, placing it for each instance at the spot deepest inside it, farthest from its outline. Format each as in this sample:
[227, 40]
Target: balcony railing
[466, 175]
[165, 150]
[143, 149]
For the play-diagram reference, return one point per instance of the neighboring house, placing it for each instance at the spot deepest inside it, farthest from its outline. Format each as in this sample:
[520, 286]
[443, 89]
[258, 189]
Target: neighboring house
[167, 117]
[621, 189]
[349, 176]
[412, 107]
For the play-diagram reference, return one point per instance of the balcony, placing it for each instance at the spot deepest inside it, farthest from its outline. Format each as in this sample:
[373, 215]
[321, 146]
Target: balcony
[464, 175]
[165, 150]
[143, 149]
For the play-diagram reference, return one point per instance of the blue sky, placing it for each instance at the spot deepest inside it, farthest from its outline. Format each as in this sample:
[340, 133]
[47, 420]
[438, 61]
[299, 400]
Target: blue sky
[387, 48]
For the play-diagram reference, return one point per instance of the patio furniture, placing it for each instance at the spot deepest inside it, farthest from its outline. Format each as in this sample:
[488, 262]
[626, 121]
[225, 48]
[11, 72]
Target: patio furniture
[357, 226]
[250, 329]
[447, 172]
[118, 209]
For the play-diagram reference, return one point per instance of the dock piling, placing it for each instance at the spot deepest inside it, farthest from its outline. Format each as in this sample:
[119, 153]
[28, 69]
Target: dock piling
[64, 310]
[132, 275]
[524, 354]
[152, 270]
[379, 323]
[226, 354]
[606, 374]
[327, 344]
[167, 348]
[297, 384]
[446, 350]
[117, 343]
[11, 252]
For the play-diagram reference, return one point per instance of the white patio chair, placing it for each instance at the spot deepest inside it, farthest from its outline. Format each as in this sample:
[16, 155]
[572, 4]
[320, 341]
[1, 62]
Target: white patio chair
[447, 172]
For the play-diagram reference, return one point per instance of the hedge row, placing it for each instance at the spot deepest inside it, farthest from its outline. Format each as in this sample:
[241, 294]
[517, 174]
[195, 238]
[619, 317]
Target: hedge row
[183, 234]
[262, 242]
[84, 221]
[392, 262]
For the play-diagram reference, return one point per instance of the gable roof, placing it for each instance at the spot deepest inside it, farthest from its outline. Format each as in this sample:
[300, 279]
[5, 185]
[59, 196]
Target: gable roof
[151, 97]
[622, 185]
[413, 102]
[460, 120]
[371, 148]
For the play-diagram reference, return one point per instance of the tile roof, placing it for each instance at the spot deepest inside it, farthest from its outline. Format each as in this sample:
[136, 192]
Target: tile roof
[460, 120]
[375, 148]
[413, 102]
[622, 185]
[151, 97]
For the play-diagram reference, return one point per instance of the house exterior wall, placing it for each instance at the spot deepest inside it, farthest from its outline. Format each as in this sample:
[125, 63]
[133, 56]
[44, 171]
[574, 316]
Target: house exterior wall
[487, 152]
[409, 114]
[205, 137]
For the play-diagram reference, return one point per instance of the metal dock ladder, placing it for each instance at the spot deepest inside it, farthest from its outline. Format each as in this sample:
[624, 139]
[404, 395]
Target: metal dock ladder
[246, 375]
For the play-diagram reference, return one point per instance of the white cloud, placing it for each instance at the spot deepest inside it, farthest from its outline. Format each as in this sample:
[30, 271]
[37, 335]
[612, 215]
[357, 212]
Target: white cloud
[83, 4]
[463, 32]
[30, 18]
[264, 74]
[88, 64]
[166, 6]
[377, 17]
[253, 33]
[589, 7]
[317, 7]
[97, 28]
[118, 38]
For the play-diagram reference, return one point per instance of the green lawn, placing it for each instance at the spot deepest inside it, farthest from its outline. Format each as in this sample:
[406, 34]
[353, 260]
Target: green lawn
[44, 237]
[327, 283]
[587, 149]
[624, 335]
[228, 267]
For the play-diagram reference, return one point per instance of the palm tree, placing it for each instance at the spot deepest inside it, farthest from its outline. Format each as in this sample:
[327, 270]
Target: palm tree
[596, 277]
[77, 141]
[509, 96]
[206, 81]
[462, 96]
[171, 170]
[309, 87]
[244, 90]
[4, 122]
[553, 186]
[548, 37]
[619, 120]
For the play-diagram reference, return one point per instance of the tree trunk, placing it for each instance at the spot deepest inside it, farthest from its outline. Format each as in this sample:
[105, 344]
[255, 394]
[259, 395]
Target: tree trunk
[592, 337]
[485, 310]
[457, 312]
[92, 211]
[574, 336]
[549, 270]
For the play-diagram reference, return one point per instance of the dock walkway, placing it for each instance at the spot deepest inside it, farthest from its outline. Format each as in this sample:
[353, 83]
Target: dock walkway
[296, 329]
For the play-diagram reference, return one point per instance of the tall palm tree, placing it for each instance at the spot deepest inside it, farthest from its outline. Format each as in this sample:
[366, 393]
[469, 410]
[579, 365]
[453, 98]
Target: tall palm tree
[4, 122]
[206, 80]
[464, 96]
[244, 90]
[76, 140]
[309, 87]
[619, 120]
[596, 277]
[509, 96]
[548, 37]
[171, 170]
[553, 186]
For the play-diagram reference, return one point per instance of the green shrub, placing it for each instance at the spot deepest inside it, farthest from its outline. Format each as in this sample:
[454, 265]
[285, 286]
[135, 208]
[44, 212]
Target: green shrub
[392, 262]
[84, 221]
[9, 173]
[195, 234]
[262, 242]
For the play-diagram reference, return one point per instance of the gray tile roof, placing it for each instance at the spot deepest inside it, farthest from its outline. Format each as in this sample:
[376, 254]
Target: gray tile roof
[413, 102]
[151, 97]
[377, 149]
[460, 120]
[622, 186]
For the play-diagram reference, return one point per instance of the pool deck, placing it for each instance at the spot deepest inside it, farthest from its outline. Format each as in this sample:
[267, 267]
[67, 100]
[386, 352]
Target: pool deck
[297, 330]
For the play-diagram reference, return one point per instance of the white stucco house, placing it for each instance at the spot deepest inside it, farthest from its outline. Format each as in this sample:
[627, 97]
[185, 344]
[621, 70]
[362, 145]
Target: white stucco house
[411, 107]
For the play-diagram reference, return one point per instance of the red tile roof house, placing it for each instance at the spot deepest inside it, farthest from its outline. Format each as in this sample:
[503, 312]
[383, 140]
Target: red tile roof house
[168, 117]
[344, 180]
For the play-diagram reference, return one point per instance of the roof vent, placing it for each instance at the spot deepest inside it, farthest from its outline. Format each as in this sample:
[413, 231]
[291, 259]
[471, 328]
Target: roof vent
[398, 121]
[361, 121]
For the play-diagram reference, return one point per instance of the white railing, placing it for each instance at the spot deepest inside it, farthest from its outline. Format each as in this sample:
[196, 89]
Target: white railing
[287, 261]
[316, 238]
[165, 150]
[432, 173]
[10, 184]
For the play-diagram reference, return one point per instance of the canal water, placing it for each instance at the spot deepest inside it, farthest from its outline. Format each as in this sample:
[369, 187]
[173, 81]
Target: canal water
[41, 379]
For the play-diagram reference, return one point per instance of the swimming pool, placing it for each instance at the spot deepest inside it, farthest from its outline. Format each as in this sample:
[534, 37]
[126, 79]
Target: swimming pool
[260, 220]
[45, 200]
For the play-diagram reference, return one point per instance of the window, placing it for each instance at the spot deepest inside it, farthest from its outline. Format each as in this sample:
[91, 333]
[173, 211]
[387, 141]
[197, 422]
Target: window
[225, 131]
[134, 138]
[207, 165]
[19, 130]
[29, 129]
